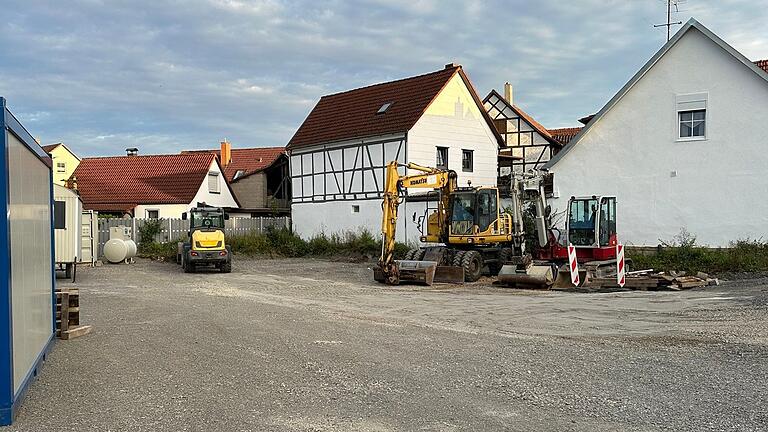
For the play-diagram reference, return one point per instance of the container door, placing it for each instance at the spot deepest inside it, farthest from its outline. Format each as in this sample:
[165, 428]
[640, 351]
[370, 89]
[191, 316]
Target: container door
[87, 237]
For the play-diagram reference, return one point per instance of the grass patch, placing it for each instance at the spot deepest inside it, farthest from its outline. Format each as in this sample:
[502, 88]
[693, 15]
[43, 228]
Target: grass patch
[684, 254]
[281, 242]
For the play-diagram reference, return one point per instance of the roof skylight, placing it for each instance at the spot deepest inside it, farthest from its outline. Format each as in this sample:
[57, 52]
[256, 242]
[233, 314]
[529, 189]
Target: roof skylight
[384, 108]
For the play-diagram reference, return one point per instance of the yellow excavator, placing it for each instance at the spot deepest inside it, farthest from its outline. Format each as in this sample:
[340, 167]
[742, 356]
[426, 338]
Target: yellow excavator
[468, 230]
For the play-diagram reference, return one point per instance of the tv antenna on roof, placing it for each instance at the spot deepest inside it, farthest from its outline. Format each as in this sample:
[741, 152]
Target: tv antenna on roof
[669, 23]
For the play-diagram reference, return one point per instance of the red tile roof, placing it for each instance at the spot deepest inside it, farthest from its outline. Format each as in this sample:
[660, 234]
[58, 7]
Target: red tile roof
[762, 64]
[49, 148]
[536, 125]
[122, 182]
[248, 160]
[353, 114]
[563, 135]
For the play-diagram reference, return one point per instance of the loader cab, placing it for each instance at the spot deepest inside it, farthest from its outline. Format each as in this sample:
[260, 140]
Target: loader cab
[592, 221]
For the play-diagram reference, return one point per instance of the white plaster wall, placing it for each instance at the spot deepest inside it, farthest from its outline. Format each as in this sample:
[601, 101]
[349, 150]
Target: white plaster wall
[336, 217]
[222, 199]
[29, 213]
[454, 120]
[720, 189]
[165, 210]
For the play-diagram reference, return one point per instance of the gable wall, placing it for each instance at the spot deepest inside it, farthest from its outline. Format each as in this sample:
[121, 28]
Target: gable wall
[715, 189]
[454, 120]
[61, 154]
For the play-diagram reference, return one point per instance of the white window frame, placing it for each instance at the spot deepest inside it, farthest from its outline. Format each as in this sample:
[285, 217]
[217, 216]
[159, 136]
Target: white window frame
[217, 188]
[692, 102]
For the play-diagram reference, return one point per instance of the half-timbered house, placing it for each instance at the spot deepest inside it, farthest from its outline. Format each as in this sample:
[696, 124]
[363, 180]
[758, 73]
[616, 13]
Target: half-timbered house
[338, 155]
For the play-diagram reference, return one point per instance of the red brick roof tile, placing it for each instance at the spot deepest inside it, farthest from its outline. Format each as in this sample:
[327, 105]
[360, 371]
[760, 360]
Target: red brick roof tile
[122, 182]
[248, 160]
[353, 114]
[563, 135]
[762, 64]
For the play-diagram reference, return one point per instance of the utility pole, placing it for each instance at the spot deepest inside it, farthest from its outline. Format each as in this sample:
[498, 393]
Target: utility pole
[669, 22]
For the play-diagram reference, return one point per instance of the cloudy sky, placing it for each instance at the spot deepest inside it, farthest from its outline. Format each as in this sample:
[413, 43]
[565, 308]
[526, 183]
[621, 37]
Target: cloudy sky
[104, 75]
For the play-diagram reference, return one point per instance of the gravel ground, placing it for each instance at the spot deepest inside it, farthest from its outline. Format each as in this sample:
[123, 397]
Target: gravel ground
[296, 345]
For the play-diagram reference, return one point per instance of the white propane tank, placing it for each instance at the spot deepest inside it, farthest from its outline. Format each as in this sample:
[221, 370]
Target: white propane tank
[120, 247]
[116, 250]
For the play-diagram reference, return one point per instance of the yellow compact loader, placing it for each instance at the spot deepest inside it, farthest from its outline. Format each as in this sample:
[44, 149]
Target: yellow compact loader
[206, 245]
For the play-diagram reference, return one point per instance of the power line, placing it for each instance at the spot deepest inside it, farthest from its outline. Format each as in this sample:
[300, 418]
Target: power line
[669, 23]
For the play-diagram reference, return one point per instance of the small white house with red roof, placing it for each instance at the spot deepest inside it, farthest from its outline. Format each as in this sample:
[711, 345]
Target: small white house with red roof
[682, 146]
[152, 186]
[258, 176]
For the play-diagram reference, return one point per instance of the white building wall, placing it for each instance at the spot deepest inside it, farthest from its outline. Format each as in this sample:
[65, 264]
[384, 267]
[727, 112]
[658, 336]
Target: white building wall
[713, 188]
[68, 241]
[164, 210]
[454, 120]
[337, 217]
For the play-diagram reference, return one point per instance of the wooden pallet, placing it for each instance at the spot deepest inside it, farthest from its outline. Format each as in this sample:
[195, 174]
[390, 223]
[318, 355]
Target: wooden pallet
[68, 315]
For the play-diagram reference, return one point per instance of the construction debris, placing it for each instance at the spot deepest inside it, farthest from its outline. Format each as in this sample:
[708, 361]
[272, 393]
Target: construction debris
[647, 280]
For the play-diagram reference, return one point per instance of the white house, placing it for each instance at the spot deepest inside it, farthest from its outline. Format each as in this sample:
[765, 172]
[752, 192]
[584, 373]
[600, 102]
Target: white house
[337, 156]
[682, 146]
[153, 186]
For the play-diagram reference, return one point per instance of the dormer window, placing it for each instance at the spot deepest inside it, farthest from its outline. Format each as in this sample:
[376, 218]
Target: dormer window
[238, 174]
[384, 108]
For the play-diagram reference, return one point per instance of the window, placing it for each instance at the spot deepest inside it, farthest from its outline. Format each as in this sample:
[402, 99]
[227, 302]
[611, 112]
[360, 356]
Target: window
[213, 182]
[466, 160]
[442, 157]
[59, 215]
[61, 167]
[691, 116]
[153, 214]
[355, 209]
[384, 108]
[463, 213]
[692, 123]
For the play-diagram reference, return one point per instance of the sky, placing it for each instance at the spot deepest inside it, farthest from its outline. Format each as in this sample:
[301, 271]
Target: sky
[164, 76]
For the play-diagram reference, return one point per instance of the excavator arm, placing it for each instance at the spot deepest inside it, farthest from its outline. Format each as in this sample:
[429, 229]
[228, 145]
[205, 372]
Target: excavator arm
[394, 185]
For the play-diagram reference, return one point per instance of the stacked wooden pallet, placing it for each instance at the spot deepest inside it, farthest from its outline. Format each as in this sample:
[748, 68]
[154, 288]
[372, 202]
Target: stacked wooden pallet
[649, 281]
[68, 315]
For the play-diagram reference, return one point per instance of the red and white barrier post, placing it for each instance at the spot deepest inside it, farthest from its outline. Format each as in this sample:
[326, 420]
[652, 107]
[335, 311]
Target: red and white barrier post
[573, 265]
[620, 268]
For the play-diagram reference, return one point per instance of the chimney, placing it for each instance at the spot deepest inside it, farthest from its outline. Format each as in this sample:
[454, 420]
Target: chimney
[226, 153]
[451, 65]
[131, 151]
[508, 93]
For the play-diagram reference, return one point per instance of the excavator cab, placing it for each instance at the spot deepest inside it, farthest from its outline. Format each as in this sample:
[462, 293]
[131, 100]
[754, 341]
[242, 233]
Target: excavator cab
[591, 226]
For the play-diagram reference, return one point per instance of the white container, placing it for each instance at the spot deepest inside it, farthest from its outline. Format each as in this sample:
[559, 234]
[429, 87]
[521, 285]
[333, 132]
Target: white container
[68, 215]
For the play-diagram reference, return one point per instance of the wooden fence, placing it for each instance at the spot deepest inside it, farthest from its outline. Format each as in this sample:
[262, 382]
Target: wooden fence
[176, 229]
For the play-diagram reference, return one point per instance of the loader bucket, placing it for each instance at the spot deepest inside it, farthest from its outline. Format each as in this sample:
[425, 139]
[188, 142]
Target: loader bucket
[416, 271]
[533, 277]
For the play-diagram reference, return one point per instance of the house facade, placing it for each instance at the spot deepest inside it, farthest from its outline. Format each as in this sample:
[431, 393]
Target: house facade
[526, 141]
[338, 155]
[64, 162]
[153, 186]
[681, 146]
[258, 177]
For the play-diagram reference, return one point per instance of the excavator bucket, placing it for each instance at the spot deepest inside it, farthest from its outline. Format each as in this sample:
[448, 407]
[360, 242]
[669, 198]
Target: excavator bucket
[532, 277]
[416, 271]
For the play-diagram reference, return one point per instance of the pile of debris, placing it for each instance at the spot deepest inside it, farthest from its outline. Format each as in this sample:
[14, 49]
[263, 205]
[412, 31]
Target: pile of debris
[648, 280]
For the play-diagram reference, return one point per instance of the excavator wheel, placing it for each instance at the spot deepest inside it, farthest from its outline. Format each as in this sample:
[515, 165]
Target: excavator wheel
[411, 254]
[504, 255]
[472, 262]
[458, 257]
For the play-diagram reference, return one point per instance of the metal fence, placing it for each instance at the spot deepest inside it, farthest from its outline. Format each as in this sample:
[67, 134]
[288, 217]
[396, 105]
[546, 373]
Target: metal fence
[176, 229]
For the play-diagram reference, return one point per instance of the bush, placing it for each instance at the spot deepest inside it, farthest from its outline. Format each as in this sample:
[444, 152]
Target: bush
[149, 230]
[683, 254]
[155, 250]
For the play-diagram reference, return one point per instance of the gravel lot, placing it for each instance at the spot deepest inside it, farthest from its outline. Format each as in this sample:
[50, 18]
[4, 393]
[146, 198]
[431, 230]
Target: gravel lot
[297, 345]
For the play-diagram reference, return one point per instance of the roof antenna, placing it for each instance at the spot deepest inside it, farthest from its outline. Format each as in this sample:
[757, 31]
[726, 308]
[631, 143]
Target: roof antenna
[669, 22]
